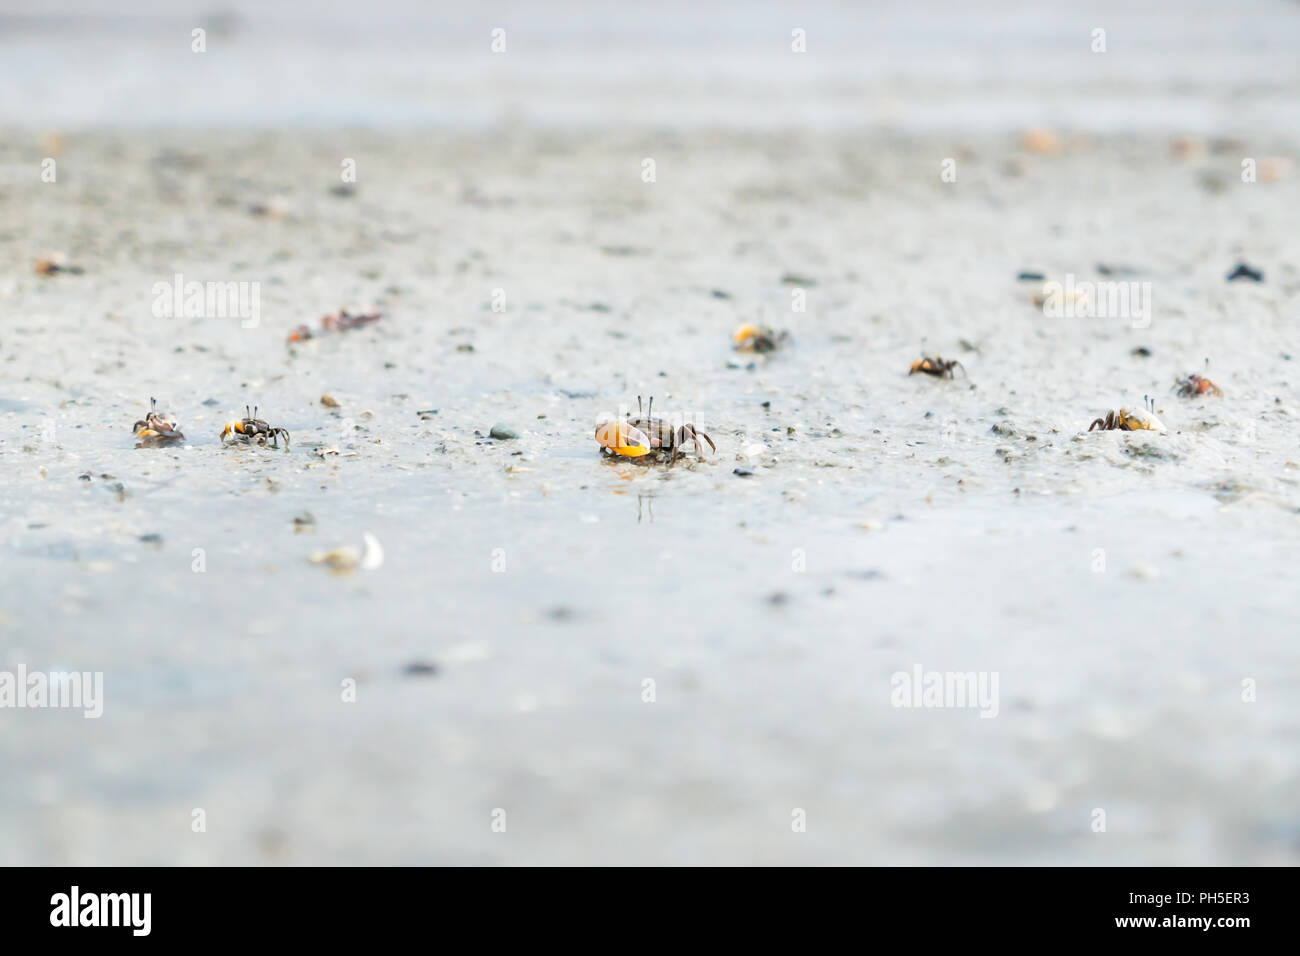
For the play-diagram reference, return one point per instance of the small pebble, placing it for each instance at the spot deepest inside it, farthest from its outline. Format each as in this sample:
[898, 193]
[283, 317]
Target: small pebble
[743, 473]
[1244, 271]
[420, 669]
[329, 401]
[503, 432]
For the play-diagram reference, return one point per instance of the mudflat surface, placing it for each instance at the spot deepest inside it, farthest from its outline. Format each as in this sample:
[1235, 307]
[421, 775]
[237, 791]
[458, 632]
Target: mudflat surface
[1121, 585]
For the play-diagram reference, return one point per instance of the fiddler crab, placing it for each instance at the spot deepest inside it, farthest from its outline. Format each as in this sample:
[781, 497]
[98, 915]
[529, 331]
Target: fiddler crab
[344, 321]
[155, 430]
[1194, 385]
[253, 429]
[1129, 420]
[936, 366]
[755, 338]
[641, 436]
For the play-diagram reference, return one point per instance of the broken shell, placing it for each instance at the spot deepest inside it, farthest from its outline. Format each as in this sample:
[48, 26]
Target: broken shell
[373, 557]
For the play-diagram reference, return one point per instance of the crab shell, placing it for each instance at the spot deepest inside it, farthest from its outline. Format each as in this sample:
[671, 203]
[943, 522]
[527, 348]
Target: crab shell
[1139, 419]
[623, 439]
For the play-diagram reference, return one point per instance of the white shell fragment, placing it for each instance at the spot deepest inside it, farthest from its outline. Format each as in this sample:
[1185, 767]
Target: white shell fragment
[372, 558]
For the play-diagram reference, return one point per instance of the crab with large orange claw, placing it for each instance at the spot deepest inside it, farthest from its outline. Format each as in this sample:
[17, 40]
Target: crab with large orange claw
[647, 435]
[1194, 385]
[253, 429]
[754, 338]
[936, 366]
[1131, 419]
[156, 430]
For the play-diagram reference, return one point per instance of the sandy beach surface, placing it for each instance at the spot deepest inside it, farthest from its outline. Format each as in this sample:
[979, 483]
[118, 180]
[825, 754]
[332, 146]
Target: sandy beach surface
[481, 696]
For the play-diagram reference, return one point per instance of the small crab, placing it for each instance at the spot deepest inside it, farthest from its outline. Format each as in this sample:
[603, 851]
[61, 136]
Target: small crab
[638, 437]
[251, 428]
[936, 366]
[155, 429]
[1129, 420]
[344, 321]
[1194, 385]
[754, 338]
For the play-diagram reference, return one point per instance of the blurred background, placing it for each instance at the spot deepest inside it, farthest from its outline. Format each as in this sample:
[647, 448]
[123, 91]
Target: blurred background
[1196, 66]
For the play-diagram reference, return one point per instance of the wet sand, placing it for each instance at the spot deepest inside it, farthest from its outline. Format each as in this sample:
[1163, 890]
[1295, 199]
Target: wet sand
[886, 522]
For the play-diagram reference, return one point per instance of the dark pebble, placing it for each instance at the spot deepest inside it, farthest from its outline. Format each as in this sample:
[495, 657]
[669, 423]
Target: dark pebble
[1030, 277]
[743, 473]
[503, 432]
[1244, 271]
[420, 669]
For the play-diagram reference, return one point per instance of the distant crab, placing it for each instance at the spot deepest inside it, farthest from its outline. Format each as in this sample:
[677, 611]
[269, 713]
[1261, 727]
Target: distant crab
[55, 263]
[344, 321]
[641, 436]
[1129, 420]
[936, 366]
[754, 338]
[1194, 385]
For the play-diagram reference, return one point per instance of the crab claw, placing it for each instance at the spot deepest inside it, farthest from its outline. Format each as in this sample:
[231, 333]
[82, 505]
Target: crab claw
[1139, 419]
[622, 439]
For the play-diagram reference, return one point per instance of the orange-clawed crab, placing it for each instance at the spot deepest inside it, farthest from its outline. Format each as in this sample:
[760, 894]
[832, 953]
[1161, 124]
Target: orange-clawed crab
[1194, 385]
[936, 366]
[155, 430]
[754, 338]
[253, 429]
[1131, 419]
[343, 321]
[642, 436]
